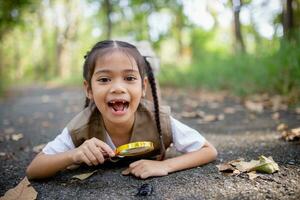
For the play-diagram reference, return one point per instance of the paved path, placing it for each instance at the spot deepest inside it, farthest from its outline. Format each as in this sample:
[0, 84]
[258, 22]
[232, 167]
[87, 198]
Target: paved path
[40, 113]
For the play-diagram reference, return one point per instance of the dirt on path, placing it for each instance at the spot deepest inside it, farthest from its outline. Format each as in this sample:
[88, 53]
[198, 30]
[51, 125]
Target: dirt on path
[40, 113]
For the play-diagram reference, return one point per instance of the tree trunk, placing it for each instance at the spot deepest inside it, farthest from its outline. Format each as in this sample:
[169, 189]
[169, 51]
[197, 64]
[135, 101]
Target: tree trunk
[239, 42]
[288, 23]
[64, 37]
[108, 11]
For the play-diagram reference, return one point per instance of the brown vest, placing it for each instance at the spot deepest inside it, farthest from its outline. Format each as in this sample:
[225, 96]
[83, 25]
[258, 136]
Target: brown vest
[87, 125]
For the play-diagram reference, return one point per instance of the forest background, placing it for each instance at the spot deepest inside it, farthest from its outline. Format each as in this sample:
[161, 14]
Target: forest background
[241, 46]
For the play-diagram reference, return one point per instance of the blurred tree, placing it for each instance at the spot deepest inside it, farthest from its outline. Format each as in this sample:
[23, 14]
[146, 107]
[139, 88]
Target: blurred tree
[239, 41]
[11, 16]
[178, 24]
[65, 33]
[108, 10]
[290, 15]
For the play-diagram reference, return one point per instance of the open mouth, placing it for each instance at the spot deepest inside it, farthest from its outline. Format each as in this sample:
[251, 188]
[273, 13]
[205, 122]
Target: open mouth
[118, 105]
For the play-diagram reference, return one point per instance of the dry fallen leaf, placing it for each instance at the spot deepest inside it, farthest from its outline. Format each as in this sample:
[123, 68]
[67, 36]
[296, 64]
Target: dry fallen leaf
[225, 167]
[38, 148]
[189, 114]
[275, 116]
[297, 110]
[84, 176]
[254, 106]
[282, 127]
[2, 154]
[229, 110]
[23, 191]
[244, 166]
[252, 175]
[16, 137]
[288, 135]
[221, 117]
[210, 118]
[264, 165]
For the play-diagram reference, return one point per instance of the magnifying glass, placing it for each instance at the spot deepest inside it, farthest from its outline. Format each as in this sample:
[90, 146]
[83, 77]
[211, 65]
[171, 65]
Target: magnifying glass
[133, 149]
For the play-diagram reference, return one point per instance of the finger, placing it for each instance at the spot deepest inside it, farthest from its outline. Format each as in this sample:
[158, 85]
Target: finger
[126, 172]
[104, 146]
[145, 175]
[134, 164]
[90, 155]
[96, 152]
[138, 170]
[86, 160]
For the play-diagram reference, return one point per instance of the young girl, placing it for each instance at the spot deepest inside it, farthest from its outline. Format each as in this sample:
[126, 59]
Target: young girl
[116, 113]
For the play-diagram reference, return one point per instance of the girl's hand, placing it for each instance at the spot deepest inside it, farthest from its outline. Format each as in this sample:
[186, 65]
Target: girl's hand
[147, 168]
[92, 152]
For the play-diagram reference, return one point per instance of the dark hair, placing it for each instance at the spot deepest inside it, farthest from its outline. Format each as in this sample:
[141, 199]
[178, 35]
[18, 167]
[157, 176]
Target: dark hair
[107, 46]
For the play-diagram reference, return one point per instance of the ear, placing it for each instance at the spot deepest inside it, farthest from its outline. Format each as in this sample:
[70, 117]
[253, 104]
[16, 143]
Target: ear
[145, 82]
[88, 91]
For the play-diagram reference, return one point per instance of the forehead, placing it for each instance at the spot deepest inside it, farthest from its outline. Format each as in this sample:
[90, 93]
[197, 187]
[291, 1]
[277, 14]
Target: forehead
[116, 61]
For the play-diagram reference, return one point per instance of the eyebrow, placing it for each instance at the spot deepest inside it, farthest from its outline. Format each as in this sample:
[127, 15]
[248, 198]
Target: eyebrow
[110, 71]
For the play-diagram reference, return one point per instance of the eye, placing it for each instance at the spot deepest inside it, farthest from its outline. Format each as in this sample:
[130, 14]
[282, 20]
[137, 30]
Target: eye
[130, 78]
[103, 80]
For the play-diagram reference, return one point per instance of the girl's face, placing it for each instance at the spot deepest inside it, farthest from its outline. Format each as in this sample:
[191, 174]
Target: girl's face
[116, 87]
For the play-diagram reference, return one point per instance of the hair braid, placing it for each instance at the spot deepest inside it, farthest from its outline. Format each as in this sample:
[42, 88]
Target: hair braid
[152, 82]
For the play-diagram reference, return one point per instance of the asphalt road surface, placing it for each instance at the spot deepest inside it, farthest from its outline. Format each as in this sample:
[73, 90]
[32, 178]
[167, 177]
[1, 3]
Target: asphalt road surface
[40, 113]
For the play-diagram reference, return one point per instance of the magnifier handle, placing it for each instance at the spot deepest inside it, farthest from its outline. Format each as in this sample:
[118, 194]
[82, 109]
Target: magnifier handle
[112, 159]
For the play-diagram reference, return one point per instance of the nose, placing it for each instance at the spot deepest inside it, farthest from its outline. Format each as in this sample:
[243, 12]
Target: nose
[118, 87]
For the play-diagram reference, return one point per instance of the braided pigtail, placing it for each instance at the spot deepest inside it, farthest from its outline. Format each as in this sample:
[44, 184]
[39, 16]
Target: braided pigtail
[152, 83]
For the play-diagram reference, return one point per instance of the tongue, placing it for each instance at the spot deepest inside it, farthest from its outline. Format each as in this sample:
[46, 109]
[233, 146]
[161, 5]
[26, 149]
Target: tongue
[118, 106]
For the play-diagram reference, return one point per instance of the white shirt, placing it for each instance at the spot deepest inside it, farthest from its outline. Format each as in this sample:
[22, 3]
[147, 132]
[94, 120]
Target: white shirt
[185, 139]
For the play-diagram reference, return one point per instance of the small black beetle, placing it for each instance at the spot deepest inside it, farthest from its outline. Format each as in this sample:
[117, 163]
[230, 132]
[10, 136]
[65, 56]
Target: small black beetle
[145, 190]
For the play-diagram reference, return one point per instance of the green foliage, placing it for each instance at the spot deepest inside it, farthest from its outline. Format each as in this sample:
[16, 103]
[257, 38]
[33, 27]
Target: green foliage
[275, 68]
[11, 14]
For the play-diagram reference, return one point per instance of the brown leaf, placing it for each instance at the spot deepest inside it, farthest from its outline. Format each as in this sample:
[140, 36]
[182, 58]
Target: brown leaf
[17, 137]
[2, 154]
[282, 127]
[191, 103]
[254, 106]
[38, 148]
[252, 175]
[289, 135]
[221, 117]
[225, 167]
[209, 118]
[275, 116]
[229, 110]
[84, 176]
[23, 191]
[278, 103]
[245, 166]
[296, 131]
[189, 114]
[297, 110]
